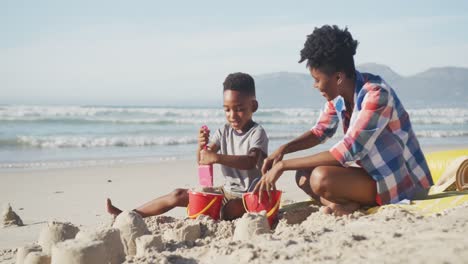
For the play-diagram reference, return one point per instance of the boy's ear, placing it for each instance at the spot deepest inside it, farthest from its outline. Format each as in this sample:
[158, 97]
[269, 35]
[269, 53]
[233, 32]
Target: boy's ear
[254, 105]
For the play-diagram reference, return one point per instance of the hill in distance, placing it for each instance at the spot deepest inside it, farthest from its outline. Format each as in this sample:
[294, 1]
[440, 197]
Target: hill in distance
[435, 87]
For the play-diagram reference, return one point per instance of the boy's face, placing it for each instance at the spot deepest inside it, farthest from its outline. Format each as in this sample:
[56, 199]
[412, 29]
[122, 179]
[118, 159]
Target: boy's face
[239, 109]
[325, 83]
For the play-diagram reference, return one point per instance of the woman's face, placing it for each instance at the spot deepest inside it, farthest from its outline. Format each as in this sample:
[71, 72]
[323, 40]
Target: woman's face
[326, 84]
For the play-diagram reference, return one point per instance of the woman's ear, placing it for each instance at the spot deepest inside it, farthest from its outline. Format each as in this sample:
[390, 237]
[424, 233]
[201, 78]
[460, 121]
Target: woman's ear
[339, 78]
[254, 105]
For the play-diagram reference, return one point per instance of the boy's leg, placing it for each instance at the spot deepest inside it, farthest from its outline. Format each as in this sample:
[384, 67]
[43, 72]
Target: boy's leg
[343, 190]
[177, 198]
[233, 209]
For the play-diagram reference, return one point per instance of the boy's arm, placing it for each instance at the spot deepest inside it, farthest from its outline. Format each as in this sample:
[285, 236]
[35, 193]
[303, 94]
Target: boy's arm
[213, 148]
[241, 162]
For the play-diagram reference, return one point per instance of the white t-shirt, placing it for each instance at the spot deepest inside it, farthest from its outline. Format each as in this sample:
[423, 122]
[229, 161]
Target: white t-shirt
[231, 142]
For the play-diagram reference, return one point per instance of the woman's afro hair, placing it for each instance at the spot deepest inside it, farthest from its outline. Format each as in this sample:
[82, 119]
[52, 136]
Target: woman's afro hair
[330, 49]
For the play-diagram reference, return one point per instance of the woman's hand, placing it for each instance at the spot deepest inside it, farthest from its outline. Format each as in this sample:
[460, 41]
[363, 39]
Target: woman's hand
[208, 157]
[268, 180]
[274, 158]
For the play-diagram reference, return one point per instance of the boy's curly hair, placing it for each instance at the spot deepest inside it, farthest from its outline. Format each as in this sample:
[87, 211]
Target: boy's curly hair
[241, 82]
[330, 49]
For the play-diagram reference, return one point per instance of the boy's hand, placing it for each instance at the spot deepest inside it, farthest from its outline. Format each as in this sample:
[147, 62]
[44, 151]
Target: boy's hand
[208, 157]
[271, 160]
[203, 136]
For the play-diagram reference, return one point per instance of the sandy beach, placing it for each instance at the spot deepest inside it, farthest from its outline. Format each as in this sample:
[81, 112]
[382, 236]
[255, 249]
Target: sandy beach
[77, 195]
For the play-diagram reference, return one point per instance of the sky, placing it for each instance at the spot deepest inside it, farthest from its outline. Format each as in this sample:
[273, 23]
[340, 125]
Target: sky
[179, 52]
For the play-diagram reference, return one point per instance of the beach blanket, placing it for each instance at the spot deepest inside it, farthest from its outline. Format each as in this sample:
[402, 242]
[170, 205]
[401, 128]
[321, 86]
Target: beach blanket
[445, 166]
[449, 171]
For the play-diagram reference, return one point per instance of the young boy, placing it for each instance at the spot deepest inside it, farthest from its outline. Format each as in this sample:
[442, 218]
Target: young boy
[240, 147]
[378, 161]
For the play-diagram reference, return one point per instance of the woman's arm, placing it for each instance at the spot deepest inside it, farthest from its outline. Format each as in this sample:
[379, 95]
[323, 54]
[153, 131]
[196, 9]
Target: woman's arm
[304, 141]
[268, 181]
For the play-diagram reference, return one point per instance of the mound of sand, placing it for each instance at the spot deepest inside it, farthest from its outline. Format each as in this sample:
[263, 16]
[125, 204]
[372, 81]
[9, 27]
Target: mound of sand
[392, 235]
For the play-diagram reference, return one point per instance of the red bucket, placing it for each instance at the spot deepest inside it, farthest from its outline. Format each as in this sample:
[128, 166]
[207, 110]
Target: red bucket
[252, 204]
[204, 203]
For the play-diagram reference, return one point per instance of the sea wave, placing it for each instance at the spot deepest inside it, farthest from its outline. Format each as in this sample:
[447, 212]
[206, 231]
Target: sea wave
[95, 142]
[155, 115]
[140, 141]
[211, 120]
[441, 134]
[84, 111]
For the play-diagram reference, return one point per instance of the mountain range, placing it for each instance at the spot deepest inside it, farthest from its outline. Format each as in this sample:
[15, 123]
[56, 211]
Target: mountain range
[435, 87]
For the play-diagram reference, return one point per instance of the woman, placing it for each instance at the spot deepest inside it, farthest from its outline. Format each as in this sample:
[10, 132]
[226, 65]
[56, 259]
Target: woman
[378, 161]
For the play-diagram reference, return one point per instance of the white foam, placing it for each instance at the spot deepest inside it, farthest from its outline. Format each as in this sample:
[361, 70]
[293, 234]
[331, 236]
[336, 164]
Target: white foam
[441, 134]
[94, 142]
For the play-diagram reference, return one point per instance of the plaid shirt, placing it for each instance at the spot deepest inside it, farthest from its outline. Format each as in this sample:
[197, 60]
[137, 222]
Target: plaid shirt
[378, 137]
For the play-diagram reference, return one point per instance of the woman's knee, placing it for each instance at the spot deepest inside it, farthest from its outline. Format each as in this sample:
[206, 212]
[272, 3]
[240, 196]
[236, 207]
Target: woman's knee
[320, 180]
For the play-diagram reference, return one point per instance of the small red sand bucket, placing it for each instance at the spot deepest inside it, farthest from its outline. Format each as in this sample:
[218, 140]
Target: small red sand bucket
[204, 203]
[252, 205]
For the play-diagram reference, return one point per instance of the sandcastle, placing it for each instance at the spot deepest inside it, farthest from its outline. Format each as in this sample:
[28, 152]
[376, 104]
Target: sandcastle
[54, 233]
[114, 249]
[24, 251]
[131, 226]
[251, 225]
[79, 252]
[10, 218]
[129, 240]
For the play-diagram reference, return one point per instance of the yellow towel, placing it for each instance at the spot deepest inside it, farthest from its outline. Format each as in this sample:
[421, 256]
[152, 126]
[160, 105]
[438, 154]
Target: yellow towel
[433, 204]
[438, 161]
[442, 163]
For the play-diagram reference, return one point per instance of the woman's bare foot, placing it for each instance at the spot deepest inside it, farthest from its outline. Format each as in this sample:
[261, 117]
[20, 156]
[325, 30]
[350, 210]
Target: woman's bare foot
[326, 210]
[343, 209]
[112, 209]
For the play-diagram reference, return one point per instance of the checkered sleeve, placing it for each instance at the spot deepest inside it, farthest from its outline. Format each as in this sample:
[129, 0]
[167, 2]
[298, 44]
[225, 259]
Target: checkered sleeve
[327, 123]
[376, 109]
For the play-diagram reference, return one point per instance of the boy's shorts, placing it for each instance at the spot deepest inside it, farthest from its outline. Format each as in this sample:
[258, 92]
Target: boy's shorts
[228, 195]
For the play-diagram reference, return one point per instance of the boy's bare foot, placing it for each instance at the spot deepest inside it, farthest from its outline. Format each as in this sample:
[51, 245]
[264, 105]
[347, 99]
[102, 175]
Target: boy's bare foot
[343, 209]
[112, 209]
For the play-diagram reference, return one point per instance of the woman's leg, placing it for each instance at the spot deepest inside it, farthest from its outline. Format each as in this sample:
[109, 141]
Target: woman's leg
[343, 190]
[303, 182]
[177, 198]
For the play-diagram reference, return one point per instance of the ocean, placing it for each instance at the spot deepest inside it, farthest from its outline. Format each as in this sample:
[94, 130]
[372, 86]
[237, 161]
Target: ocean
[70, 136]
